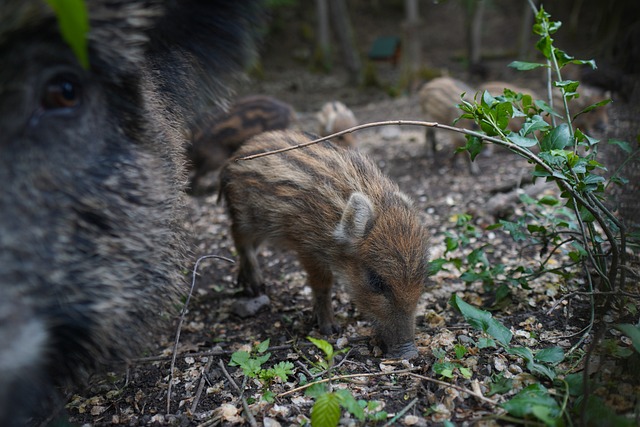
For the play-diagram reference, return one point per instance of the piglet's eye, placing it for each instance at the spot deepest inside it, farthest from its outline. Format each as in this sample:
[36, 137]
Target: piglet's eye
[62, 91]
[376, 282]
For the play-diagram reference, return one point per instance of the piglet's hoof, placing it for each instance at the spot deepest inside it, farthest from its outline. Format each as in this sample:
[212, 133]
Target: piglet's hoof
[406, 351]
[247, 307]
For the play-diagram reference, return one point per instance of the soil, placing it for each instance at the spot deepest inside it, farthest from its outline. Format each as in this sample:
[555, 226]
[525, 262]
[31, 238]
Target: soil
[545, 313]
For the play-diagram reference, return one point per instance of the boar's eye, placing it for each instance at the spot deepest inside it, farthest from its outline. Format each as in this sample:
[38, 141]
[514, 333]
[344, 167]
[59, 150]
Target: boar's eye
[376, 282]
[61, 91]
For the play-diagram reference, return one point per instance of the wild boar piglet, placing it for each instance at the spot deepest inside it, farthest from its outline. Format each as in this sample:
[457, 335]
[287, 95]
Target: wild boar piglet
[345, 220]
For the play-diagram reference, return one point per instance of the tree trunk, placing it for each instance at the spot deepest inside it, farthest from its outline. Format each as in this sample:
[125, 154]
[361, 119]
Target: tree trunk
[411, 42]
[344, 33]
[524, 40]
[322, 57]
[475, 16]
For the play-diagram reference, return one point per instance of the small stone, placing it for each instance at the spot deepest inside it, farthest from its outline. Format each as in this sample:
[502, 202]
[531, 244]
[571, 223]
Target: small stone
[247, 307]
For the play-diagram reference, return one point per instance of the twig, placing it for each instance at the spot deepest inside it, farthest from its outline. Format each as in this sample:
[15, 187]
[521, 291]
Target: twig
[304, 368]
[245, 405]
[229, 378]
[212, 422]
[401, 413]
[588, 293]
[319, 374]
[181, 321]
[203, 379]
[389, 123]
[462, 389]
[342, 377]
[219, 352]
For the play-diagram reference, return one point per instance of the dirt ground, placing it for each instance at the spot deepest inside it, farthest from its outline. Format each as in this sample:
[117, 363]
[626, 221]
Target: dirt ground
[202, 392]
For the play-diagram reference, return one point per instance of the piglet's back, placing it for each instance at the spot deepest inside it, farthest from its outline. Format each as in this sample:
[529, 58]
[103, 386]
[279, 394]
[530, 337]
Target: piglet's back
[316, 181]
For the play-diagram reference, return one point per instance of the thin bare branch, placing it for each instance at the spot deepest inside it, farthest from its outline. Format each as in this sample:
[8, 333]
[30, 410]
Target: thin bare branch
[181, 321]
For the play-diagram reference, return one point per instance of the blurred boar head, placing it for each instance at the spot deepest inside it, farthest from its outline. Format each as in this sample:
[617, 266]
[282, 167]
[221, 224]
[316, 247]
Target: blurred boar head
[91, 238]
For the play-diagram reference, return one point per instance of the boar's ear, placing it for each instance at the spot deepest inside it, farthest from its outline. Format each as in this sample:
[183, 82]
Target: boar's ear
[405, 199]
[356, 219]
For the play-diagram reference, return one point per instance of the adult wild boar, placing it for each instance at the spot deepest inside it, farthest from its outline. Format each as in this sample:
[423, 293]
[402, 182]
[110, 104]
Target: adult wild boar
[91, 213]
[344, 219]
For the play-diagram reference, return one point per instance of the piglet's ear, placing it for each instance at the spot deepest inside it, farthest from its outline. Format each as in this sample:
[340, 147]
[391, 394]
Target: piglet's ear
[356, 220]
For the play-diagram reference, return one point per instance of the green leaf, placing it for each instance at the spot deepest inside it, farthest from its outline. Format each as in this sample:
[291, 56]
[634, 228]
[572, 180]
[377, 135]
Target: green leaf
[557, 139]
[474, 146]
[451, 243]
[465, 372]
[625, 146]
[253, 367]
[593, 107]
[549, 201]
[551, 355]
[326, 411]
[436, 265]
[460, 351]
[486, 342]
[239, 358]
[282, 370]
[316, 390]
[567, 86]
[526, 66]
[500, 384]
[269, 396]
[444, 369]
[73, 21]
[263, 346]
[576, 383]
[533, 400]
[522, 141]
[562, 57]
[632, 332]
[324, 346]
[348, 402]
[514, 230]
[545, 45]
[539, 103]
[532, 366]
[482, 320]
[590, 62]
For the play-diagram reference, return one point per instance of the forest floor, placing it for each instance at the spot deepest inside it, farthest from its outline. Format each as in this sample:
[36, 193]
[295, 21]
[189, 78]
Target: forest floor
[206, 390]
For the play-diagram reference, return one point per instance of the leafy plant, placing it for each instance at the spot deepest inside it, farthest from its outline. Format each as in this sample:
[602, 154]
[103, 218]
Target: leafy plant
[577, 227]
[326, 410]
[541, 363]
[251, 365]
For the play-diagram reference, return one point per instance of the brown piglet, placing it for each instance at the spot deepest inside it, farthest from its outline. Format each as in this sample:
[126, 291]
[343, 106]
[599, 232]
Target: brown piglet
[335, 117]
[345, 220]
[215, 137]
[439, 99]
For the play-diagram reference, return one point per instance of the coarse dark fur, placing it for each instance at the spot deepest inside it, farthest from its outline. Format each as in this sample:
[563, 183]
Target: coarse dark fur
[91, 214]
[344, 219]
[216, 136]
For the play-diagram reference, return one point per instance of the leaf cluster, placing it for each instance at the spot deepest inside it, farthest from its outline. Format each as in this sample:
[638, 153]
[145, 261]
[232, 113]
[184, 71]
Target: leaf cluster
[327, 410]
[252, 363]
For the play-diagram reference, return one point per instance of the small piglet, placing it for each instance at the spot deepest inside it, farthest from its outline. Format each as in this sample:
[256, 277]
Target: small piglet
[439, 99]
[215, 137]
[335, 117]
[343, 218]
